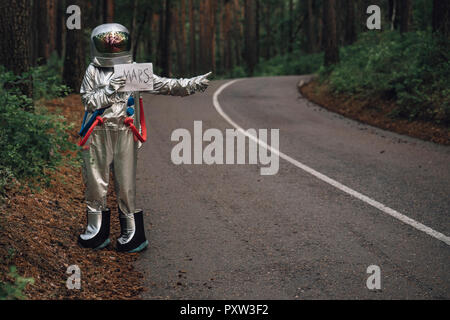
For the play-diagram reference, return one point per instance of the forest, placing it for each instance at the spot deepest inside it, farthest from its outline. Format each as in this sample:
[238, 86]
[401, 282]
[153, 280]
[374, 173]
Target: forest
[186, 37]
[401, 68]
[405, 61]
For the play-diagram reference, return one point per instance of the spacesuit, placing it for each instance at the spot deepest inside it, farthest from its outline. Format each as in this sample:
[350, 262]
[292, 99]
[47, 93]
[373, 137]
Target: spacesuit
[112, 144]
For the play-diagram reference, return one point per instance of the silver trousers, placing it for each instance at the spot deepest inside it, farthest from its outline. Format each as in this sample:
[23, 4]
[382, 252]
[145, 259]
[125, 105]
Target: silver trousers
[110, 146]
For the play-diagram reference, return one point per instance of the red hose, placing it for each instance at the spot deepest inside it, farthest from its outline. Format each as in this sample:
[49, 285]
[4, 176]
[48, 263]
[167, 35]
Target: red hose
[98, 120]
[129, 122]
[142, 119]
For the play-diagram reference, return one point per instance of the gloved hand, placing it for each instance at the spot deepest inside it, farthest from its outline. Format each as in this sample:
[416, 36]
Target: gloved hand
[202, 82]
[116, 83]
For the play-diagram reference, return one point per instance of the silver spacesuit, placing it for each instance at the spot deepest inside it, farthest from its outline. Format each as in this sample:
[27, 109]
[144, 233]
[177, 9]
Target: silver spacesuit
[112, 143]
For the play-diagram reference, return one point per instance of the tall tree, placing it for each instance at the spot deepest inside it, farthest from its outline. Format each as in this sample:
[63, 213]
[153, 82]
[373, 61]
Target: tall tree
[237, 31]
[291, 26]
[258, 31]
[441, 18]
[181, 38]
[46, 29]
[133, 27]
[192, 38]
[75, 58]
[405, 15]
[165, 52]
[207, 10]
[250, 35]
[60, 27]
[15, 31]
[350, 23]
[311, 34]
[329, 33]
[227, 29]
[108, 11]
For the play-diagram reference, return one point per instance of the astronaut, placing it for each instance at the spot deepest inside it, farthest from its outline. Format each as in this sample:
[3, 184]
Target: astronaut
[111, 143]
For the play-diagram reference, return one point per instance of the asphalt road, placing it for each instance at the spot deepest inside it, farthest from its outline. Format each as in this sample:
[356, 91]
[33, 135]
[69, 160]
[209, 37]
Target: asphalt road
[227, 232]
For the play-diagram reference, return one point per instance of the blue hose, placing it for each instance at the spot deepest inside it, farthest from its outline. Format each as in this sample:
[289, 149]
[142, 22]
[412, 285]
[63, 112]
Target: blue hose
[85, 126]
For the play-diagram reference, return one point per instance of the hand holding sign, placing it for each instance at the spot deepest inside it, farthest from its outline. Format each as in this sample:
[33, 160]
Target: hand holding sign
[138, 76]
[116, 83]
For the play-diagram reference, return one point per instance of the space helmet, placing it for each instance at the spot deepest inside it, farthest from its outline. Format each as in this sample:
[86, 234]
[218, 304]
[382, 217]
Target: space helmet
[110, 45]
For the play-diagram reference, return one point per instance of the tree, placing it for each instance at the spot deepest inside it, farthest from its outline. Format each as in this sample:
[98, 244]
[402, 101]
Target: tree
[179, 23]
[405, 15]
[60, 28]
[350, 23]
[15, 31]
[108, 11]
[192, 40]
[250, 35]
[291, 26]
[329, 33]
[441, 18]
[46, 29]
[76, 46]
[166, 34]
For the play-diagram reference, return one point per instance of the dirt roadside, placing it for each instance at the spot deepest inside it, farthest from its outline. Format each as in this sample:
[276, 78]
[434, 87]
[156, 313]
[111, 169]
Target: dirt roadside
[375, 113]
[39, 230]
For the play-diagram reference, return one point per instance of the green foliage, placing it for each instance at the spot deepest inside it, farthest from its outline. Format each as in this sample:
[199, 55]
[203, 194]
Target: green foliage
[411, 69]
[293, 63]
[14, 291]
[31, 142]
[47, 79]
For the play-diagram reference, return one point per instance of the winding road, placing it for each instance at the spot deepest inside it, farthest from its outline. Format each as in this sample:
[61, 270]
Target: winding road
[346, 196]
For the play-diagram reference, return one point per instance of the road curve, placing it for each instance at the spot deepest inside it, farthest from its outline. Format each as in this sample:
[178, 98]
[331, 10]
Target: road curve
[226, 232]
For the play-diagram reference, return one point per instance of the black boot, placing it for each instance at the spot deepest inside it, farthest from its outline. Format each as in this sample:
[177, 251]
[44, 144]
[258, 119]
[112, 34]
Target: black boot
[96, 235]
[132, 233]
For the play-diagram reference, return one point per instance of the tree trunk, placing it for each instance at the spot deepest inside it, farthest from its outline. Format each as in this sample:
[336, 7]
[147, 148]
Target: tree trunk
[237, 31]
[15, 31]
[60, 27]
[405, 15]
[207, 35]
[133, 27]
[227, 49]
[441, 18]
[46, 29]
[108, 11]
[350, 23]
[75, 58]
[179, 22]
[258, 35]
[291, 26]
[192, 41]
[166, 52]
[329, 33]
[139, 31]
[310, 27]
[250, 35]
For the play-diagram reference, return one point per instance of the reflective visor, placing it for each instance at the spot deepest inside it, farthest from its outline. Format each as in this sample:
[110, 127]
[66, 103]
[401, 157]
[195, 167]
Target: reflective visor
[112, 42]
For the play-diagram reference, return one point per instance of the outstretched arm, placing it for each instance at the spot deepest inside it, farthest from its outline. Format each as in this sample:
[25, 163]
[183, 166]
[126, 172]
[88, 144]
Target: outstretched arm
[180, 87]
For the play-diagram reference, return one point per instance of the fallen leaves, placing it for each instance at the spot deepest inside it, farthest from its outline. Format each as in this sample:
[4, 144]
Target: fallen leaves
[364, 111]
[39, 230]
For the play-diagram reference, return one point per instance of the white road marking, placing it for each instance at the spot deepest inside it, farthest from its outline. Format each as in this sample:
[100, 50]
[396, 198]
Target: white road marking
[393, 213]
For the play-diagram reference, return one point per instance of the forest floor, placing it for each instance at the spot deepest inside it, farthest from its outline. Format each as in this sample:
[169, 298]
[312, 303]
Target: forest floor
[373, 112]
[39, 231]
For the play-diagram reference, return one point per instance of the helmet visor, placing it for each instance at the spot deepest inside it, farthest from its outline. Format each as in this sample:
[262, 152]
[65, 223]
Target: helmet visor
[112, 42]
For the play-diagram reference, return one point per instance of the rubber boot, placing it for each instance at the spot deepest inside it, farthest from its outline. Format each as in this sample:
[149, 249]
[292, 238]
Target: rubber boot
[96, 235]
[132, 233]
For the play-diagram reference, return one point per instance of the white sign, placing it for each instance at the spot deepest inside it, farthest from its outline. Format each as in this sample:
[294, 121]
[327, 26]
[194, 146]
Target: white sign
[139, 76]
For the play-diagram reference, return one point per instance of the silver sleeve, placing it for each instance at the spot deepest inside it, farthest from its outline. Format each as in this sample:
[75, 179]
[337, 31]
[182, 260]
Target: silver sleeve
[93, 96]
[177, 87]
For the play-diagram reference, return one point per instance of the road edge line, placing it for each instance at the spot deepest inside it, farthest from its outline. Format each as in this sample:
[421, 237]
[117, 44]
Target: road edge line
[378, 205]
